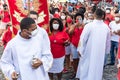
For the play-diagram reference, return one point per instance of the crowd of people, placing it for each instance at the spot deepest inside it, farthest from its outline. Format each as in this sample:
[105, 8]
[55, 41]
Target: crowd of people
[81, 36]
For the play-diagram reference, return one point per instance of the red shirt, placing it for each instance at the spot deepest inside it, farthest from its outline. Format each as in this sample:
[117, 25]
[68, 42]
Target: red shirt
[78, 6]
[108, 18]
[6, 16]
[7, 37]
[57, 44]
[76, 36]
[66, 29]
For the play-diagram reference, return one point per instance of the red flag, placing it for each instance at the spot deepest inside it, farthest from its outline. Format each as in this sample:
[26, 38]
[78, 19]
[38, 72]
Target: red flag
[19, 10]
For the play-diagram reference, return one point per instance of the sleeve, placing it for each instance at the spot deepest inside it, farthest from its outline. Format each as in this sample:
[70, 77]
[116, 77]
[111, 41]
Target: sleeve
[108, 43]
[66, 36]
[47, 58]
[6, 62]
[83, 39]
[118, 61]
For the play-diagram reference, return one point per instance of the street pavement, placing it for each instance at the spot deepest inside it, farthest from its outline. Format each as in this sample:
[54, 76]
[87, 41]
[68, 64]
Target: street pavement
[109, 72]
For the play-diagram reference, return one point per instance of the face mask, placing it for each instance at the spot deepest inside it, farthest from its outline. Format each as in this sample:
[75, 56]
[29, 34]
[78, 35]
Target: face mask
[55, 26]
[36, 22]
[56, 12]
[88, 21]
[107, 11]
[89, 14]
[117, 18]
[62, 17]
[11, 28]
[69, 20]
[92, 4]
[34, 33]
[80, 20]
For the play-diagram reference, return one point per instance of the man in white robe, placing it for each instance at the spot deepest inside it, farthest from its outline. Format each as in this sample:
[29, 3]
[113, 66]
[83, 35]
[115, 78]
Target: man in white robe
[94, 43]
[31, 42]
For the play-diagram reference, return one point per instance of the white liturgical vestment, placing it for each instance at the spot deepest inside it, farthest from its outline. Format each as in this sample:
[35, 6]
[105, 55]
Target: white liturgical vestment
[18, 55]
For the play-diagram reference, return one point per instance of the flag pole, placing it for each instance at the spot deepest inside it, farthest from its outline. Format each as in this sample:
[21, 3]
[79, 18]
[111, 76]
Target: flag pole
[28, 7]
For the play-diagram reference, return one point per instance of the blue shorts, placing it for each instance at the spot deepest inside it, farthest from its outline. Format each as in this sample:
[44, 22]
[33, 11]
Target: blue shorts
[75, 54]
[68, 50]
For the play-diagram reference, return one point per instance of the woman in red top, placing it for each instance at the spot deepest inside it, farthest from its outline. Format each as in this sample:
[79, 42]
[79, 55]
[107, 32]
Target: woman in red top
[5, 18]
[7, 35]
[58, 39]
[68, 61]
[75, 32]
[63, 17]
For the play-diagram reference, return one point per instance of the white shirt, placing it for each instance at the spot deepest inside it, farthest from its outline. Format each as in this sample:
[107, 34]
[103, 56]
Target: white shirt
[114, 27]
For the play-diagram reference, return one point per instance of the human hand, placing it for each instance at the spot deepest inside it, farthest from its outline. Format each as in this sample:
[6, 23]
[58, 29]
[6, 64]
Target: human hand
[118, 32]
[118, 66]
[79, 54]
[1, 43]
[67, 42]
[14, 76]
[36, 63]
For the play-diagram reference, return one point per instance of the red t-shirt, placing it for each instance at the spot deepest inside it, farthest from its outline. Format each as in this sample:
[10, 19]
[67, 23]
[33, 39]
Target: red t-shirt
[66, 30]
[76, 36]
[108, 18]
[7, 37]
[78, 6]
[6, 16]
[57, 44]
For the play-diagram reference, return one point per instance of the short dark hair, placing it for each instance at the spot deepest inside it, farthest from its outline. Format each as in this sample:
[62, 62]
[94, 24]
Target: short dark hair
[82, 10]
[94, 8]
[116, 11]
[59, 22]
[35, 13]
[99, 13]
[26, 22]
[79, 14]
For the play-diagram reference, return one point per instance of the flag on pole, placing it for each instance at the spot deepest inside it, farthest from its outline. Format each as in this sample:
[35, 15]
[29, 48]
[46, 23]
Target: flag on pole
[19, 10]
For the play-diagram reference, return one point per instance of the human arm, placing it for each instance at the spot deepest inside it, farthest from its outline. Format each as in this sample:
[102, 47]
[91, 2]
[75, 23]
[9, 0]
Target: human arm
[67, 39]
[6, 62]
[47, 58]
[117, 32]
[108, 43]
[83, 40]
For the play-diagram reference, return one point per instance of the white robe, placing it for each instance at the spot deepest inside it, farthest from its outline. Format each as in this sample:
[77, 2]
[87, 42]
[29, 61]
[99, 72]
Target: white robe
[19, 52]
[94, 43]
